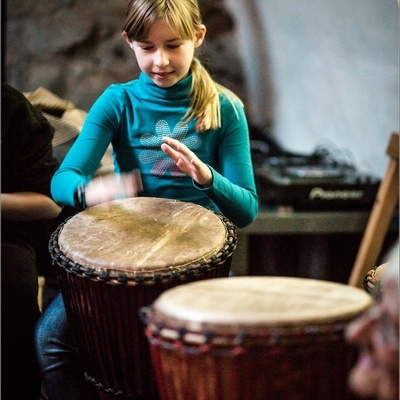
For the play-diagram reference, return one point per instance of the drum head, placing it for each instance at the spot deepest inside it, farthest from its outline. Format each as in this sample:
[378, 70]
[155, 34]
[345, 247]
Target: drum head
[142, 235]
[223, 305]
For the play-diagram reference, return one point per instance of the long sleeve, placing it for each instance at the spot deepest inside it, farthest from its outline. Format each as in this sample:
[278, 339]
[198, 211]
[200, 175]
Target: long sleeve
[233, 189]
[84, 157]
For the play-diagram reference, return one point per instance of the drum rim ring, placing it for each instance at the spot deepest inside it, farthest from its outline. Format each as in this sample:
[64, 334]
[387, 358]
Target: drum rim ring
[164, 276]
[162, 335]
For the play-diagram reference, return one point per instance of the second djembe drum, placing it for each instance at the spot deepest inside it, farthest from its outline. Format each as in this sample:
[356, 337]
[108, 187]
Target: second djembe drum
[113, 259]
[253, 338]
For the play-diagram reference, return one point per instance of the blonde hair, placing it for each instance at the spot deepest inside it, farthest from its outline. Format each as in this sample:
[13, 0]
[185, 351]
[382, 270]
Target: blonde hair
[184, 17]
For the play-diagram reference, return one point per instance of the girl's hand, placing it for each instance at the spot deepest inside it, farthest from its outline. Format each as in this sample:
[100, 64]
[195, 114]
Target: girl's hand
[113, 186]
[187, 161]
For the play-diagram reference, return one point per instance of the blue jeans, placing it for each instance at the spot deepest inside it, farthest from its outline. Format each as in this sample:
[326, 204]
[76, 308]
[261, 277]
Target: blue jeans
[62, 373]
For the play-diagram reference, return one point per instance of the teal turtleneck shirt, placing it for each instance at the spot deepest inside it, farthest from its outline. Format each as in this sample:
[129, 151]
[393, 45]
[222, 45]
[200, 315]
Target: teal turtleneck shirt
[134, 116]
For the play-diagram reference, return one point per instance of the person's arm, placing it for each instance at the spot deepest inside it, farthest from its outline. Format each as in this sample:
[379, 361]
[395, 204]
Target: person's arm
[230, 184]
[27, 160]
[84, 157]
[26, 145]
[28, 206]
[187, 161]
[233, 189]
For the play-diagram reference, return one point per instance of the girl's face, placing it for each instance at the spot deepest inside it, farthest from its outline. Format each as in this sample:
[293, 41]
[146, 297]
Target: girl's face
[164, 56]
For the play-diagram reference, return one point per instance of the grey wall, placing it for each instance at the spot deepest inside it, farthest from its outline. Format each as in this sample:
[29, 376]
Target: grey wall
[74, 47]
[318, 71]
[325, 72]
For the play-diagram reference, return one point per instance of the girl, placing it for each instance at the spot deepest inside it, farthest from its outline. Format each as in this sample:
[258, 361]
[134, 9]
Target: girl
[186, 134]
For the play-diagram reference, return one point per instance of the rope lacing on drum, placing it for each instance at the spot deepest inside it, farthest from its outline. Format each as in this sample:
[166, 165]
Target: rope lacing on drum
[188, 272]
[139, 279]
[90, 273]
[122, 279]
[103, 275]
[207, 344]
[110, 390]
[173, 274]
[157, 278]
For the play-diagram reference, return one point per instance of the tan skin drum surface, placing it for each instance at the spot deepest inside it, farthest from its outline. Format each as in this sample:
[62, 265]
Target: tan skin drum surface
[142, 234]
[257, 302]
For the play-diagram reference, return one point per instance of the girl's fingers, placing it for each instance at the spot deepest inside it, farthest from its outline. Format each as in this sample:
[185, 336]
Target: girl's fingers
[177, 146]
[186, 160]
[177, 150]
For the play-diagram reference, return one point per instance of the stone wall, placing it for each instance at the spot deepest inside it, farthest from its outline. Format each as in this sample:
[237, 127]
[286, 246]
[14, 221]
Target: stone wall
[74, 47]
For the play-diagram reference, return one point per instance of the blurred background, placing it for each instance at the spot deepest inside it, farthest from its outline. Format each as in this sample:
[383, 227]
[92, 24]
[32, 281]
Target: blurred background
[310, 72]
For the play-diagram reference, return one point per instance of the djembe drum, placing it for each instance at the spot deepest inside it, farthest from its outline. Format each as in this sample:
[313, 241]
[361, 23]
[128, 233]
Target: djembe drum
[253, 338]
[113, 259]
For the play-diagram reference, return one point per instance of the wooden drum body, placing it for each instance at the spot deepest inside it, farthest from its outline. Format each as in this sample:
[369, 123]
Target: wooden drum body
[117, 257]
[253, 338]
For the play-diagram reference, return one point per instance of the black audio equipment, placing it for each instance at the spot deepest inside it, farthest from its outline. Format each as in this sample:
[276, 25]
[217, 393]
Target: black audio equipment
[310, 182]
